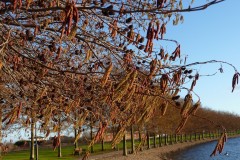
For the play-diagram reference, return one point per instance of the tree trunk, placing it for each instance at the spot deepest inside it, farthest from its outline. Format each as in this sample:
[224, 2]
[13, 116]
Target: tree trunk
[60, 146]
[36, 144]
[60, 150]
[132, 140]
[0, 131]
[32, 141]
[154, 141]
[91, 134]
[124, 145]
[165, 139]
[140, 138]
[148, 141]
[160, 140]
[75, 135]
[103, 144]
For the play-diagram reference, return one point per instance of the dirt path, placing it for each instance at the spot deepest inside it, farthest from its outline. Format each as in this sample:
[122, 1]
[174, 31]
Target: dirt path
[151, 154]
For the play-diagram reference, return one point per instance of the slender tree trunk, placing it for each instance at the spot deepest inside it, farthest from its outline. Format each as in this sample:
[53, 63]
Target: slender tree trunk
[60, 145]
[132, 140]
[124, 145]
[60, 150]
[36, 142]
[32, 140]
[91, 134]
[75, 135]
[154, 141]
[103, 144]
[160, 139]
[148, 141]
[0, 131]
[140, 138]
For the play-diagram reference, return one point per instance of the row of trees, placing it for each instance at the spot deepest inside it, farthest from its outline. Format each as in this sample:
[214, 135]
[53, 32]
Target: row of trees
[205, 120]
[92, 62]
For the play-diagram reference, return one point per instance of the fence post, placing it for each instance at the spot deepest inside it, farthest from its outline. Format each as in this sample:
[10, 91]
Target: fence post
[185, 137]
[203, 135]
[124, 145]
[195, 134]
[199, 136]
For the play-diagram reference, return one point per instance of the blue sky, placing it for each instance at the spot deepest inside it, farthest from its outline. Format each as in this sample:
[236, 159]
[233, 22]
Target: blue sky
[213, 34]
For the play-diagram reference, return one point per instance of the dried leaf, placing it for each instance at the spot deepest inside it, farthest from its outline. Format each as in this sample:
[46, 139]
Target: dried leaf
[88, 55]
[181, 124]
[220, 144]
[164, 108]
[106, 74]
[186, 105]
[176, 53]
[73, 32]
[235, 81]
[153, 65]
[164, 82]
[194, 108]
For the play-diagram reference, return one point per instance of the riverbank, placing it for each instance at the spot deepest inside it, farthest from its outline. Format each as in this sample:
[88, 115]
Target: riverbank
[160, 153]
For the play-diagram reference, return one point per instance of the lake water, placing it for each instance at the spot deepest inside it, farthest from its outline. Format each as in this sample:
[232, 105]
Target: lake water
[231, 151]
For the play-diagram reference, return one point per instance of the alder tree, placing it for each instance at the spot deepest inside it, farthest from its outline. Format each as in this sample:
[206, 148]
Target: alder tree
[98, 60]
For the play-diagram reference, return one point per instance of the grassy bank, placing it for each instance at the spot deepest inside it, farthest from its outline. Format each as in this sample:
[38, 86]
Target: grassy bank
[46, 153]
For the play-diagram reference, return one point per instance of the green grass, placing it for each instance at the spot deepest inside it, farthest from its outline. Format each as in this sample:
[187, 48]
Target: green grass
[44, 154]
[67, 152]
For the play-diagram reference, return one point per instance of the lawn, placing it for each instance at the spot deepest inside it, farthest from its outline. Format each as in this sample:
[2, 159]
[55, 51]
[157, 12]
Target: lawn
[67, 152]
[44, 154]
